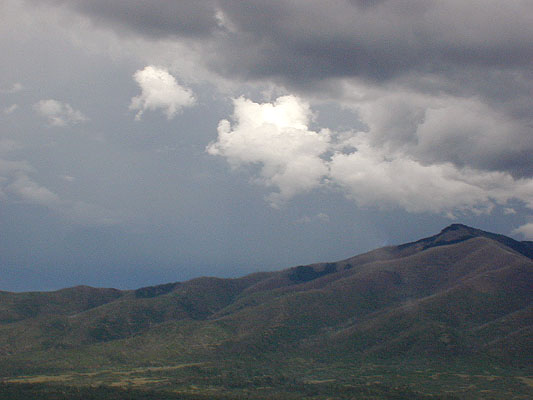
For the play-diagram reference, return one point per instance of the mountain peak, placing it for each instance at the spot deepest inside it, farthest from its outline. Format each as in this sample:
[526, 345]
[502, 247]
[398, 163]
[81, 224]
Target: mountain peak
[456, 227]
[459, 232]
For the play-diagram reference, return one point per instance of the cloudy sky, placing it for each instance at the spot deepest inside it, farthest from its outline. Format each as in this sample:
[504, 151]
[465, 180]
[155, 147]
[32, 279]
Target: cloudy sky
[143, 142]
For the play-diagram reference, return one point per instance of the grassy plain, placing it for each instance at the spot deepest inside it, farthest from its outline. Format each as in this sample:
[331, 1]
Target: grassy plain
[295, 378]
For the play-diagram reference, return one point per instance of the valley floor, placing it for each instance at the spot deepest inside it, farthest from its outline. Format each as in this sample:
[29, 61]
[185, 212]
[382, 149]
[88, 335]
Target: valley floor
[293, 380]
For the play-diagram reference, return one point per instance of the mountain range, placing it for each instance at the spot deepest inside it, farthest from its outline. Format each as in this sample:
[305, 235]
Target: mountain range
[458, 299]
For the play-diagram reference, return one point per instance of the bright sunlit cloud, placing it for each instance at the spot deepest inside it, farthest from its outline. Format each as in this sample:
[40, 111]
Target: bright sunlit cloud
[160, 90]
[277, 137]
[295, 159]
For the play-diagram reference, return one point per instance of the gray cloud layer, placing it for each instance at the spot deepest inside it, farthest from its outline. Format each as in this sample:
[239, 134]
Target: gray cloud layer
[310, 40]
[154, 18]
[364, 122]
[295, 160]
[475, 53]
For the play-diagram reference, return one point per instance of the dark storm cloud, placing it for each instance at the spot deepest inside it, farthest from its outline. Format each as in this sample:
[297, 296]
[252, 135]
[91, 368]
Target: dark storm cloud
[473, 49]
[153, 18]
[381, 40]
[310, 40]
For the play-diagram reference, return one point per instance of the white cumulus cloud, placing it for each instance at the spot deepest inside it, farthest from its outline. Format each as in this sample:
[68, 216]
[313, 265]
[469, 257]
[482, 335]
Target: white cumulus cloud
[526, 230]
[160, 90]
[295, 159]
[275, 136]
[372, 176]
[431, 127]
[58, 113]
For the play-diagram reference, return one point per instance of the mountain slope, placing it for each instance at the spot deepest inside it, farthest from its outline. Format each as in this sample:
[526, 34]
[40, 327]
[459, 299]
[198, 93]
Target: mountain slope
[461, 294]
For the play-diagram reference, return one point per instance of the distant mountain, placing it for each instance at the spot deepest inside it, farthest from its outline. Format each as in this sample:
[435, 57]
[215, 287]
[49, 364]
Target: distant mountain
[456, 233]
[463, 294]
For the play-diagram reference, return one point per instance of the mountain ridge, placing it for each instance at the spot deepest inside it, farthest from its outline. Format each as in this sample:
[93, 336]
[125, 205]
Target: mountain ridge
[463, 232]
[463, 294]
[466, 232]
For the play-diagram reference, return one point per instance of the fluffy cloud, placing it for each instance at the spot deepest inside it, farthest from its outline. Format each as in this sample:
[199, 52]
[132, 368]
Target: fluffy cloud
[473, 56]
[277, 137]
[21, 187]
[372, 176]
[15, 180]
[58, 113]
[11, 109]
[159, 89]
[295, 159]
[438, 129]
[17, 184]
[30, 191]
[444, 89]
[526, 230]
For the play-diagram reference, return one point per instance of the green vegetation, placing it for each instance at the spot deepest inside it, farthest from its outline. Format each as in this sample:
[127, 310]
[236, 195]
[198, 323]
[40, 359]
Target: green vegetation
[277, 379]
[154, 291]
[305, 273]
[446, 317]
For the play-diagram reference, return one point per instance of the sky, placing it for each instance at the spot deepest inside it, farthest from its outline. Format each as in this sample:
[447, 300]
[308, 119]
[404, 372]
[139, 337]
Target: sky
[144, 142]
